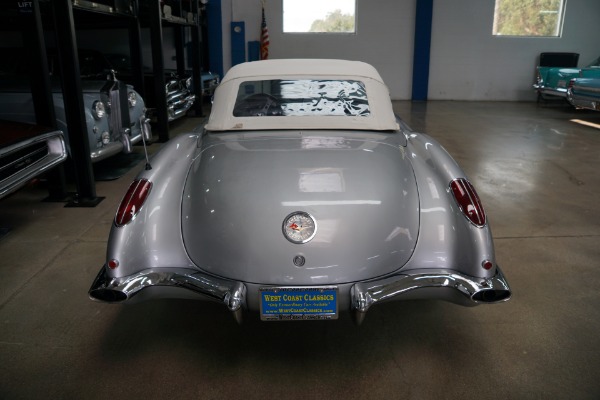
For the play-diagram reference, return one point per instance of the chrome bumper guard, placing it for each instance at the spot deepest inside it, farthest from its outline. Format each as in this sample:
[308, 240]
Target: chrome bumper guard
[471, 290]
[116, 290]
[145, 131]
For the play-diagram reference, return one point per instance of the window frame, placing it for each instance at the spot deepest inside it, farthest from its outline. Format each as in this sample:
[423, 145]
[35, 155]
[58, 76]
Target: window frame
[558, 28]
[299, 32]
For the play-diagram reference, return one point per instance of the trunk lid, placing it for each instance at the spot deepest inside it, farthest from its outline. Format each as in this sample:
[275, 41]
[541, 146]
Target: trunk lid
[360, 190]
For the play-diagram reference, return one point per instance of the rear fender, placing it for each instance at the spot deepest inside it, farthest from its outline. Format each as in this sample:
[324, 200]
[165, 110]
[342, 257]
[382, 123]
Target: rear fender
[447, 239]
[153, 238]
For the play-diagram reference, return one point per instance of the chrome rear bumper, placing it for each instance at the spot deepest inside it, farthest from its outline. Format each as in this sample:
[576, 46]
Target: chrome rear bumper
[470, 290]
[421, 284]
[558, 92]
[116, 290]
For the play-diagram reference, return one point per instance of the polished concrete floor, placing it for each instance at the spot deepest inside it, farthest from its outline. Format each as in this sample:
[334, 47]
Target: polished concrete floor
[538, 174]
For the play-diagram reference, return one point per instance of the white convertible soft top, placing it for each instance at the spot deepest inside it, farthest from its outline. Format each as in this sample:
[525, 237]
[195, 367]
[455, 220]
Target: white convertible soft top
[380, 117]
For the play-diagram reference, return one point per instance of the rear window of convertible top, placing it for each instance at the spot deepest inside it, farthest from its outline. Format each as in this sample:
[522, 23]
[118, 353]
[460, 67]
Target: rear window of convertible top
[301, 97]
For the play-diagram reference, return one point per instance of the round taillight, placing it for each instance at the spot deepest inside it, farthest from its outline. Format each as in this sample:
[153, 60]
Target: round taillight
[487, 264]
[132, 202]
[468, 201]
[112, 264]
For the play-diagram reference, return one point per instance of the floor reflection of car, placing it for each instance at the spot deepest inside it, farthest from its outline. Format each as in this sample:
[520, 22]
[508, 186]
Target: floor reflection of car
[27, 151]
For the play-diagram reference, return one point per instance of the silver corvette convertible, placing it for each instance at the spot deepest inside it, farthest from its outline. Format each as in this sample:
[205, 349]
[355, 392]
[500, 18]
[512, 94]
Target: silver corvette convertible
[302, 197]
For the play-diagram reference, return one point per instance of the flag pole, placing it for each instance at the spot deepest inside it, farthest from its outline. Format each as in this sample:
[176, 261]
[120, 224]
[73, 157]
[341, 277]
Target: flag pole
[264, 35]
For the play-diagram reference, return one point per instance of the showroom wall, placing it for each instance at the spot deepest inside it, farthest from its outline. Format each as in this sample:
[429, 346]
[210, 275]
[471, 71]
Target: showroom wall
[467, 62]
[384, 37]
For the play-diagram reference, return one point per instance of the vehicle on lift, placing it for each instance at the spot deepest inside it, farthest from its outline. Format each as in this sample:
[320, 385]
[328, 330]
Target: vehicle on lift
[302, 197]
[115, 113]
[179, 89]
[94, 65]
[179, 92]
[27, 151]
[125, 7]
[554, 81]
[210, 81]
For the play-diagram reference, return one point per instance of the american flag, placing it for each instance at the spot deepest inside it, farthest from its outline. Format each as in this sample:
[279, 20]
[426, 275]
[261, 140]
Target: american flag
[264, 37]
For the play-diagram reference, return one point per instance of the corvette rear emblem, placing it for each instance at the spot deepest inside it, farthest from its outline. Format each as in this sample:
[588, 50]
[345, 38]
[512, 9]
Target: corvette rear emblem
[299, 227]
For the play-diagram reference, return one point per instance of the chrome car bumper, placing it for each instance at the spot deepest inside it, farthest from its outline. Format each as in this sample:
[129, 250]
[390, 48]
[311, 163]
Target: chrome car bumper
[589, 100]
[109, 149]
[24, 160]
[558, 92]
[116, 290]
[112, 148]
[178, 107]
[421, 284]
[464, 289]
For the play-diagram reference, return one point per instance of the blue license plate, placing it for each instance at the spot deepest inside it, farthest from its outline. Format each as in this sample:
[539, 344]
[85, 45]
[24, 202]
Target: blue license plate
[298, 303]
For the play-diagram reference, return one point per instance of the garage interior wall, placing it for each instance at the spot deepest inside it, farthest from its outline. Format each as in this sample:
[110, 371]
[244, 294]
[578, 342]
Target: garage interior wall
[467, 61]
[384, 37]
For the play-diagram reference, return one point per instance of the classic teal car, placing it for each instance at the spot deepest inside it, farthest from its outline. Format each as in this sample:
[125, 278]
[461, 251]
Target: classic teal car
[585, 92]
[554, 81]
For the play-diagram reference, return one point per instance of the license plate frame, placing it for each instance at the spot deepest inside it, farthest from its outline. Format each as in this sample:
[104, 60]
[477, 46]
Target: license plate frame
[285, 303]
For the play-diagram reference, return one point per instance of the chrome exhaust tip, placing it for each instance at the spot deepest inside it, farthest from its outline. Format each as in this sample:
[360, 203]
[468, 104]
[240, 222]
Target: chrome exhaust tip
[491, 296]
[108, 295]
[102, 291]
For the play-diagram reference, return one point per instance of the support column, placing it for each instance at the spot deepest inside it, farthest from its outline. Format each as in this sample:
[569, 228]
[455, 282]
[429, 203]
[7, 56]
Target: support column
[422, 49]
[74, 108]
[158, 68]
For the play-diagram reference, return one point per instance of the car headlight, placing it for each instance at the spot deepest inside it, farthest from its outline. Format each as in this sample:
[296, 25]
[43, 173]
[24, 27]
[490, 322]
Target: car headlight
[98, 110]
[132, 99]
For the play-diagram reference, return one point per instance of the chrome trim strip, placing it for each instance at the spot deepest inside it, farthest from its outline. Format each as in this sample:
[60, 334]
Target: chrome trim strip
[57, 153]
[365, 294]
[115, 118]
[559, 92]
[577, 89]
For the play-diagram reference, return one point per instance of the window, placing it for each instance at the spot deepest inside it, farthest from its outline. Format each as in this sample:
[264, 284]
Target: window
[529, 17]
[301, 97]
[319, 16]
